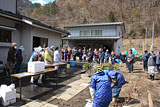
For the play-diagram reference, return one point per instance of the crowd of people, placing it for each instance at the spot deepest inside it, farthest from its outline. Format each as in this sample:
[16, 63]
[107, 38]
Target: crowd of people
[48, 55]
[101, 89]
[150, 62]
[88, 55]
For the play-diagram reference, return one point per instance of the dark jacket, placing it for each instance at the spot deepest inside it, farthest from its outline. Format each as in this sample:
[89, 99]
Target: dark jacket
[158, 59]
[101, 56]
[145, 57]
[90, 55]
[80, 53]
[11, 55]
[19, 56]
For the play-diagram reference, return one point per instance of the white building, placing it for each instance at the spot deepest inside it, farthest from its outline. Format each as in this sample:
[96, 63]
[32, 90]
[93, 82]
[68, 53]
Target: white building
[99, 35]
[24, 31]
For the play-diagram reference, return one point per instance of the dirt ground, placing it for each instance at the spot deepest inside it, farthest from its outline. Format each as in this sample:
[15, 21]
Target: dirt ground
[139, 45]
[134, 93]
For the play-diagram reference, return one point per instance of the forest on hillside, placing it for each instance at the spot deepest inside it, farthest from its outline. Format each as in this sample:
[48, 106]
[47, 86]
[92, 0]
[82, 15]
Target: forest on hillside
[136, 14]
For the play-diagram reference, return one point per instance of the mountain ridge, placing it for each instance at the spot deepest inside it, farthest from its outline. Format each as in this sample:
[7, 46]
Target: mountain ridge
[136, 14]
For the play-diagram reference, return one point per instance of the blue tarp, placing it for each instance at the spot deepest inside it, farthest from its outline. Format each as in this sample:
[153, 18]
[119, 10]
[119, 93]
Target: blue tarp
[134, 51]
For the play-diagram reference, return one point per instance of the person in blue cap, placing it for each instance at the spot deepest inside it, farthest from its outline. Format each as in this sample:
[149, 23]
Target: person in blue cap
[100, 88]
[118, 81]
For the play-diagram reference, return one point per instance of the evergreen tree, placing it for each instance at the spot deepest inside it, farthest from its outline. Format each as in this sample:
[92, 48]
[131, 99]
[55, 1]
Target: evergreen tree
[111, 17]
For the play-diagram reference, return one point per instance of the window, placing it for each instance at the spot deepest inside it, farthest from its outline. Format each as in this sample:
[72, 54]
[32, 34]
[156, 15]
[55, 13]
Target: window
[96, 32]
[37, 41]
[5, 36]
[44, 42]
[85, 33]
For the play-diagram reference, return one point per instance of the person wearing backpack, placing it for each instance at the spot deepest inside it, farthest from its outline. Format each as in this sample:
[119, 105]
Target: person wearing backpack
[152, 65]
[145, 60]
[158, 61]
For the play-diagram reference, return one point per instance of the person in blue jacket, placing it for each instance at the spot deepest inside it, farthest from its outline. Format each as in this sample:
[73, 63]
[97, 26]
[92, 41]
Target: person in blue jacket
[107, 56]
[118, 81]
[100, 88]
[101, 56]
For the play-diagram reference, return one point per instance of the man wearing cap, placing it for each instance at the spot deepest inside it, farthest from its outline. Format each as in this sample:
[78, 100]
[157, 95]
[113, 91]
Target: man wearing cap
[100, 88]
[11, 59]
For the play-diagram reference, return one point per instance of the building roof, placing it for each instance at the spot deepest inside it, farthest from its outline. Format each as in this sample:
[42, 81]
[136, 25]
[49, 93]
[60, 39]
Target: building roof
[90, 38]
[95, 24]
[30, 21]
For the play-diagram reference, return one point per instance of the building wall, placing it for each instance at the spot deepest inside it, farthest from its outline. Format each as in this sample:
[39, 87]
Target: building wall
[118, 46]
[23, 35]
[53, 37]
[106, 31]
[8, 5]
[25, 41]
[118, 43]
[4, 47]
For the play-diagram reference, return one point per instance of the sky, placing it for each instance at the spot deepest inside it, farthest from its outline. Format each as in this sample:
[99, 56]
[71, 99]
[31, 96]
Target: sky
[42, 2]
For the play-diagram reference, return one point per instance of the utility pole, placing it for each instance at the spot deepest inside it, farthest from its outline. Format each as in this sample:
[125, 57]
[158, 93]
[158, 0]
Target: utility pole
[146, 39]
[152, 46]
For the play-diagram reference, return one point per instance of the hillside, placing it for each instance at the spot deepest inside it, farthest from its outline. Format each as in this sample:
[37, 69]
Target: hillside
[25, 7]
[136, 14]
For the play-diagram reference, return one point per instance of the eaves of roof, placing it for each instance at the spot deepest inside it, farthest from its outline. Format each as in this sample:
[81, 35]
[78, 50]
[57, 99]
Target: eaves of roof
[21, 18]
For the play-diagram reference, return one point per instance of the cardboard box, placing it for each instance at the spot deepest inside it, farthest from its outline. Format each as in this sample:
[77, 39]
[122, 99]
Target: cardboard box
[36, 66]
[8, 97]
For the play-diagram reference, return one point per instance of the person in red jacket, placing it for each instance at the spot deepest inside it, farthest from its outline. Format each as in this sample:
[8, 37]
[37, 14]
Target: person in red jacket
[69, 54]
[62, 54]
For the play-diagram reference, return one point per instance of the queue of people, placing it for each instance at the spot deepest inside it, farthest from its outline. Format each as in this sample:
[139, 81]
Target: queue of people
[88, 55]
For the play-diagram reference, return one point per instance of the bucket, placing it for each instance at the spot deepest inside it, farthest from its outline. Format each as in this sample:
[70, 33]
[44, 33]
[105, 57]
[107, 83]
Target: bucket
[72, 63]
[68, 65]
